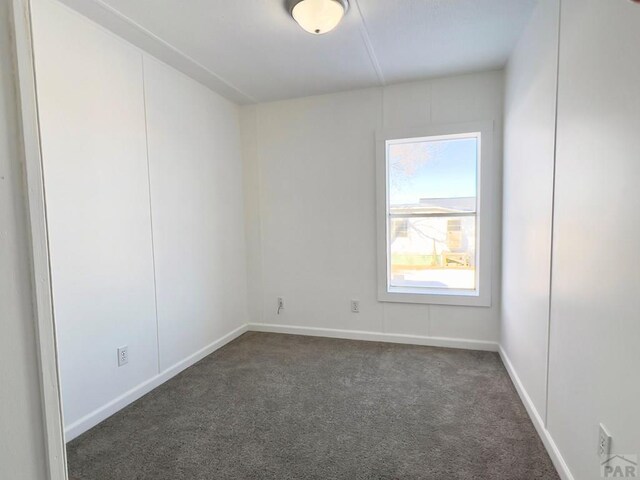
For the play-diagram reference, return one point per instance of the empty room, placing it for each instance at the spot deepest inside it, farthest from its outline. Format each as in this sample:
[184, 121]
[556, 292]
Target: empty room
[319, 239]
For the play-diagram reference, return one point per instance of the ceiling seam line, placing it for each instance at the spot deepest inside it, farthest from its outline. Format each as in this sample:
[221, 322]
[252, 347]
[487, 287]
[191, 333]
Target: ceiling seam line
[166, 44]
[366, 38]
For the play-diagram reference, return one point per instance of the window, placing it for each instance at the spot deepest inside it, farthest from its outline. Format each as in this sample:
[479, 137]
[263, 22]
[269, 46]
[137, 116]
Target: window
[434, 219]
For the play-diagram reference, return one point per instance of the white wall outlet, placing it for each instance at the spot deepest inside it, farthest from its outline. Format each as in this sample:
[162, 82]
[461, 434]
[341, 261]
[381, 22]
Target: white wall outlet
[355, 306]
[123, 356]
[604, 442]
[280, 304]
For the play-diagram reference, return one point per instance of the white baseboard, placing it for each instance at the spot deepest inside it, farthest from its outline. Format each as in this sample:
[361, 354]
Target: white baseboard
[538, 423]
[92, 419]
[376, 336]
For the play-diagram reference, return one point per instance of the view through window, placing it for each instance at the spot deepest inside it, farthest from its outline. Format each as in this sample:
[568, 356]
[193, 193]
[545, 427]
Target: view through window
[432, 186]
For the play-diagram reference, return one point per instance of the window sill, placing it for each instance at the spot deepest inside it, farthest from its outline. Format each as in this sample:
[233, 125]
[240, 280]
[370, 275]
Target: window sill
[453, 297]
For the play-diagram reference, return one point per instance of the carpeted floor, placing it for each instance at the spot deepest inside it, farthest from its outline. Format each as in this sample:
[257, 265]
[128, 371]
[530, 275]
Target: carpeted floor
[271, 406]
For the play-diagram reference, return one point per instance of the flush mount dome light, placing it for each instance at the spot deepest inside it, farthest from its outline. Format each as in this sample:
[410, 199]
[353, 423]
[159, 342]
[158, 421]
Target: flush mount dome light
[318, 16]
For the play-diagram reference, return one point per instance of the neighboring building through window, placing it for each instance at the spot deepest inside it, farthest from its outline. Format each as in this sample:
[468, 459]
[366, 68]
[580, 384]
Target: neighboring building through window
[432, 217]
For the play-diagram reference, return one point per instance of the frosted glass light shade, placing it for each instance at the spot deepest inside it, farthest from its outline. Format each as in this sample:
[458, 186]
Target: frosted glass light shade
[319, 16]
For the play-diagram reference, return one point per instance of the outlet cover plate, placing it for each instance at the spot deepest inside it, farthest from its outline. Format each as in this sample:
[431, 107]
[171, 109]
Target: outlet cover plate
[355, 306]
[123, 356]
[604, 442]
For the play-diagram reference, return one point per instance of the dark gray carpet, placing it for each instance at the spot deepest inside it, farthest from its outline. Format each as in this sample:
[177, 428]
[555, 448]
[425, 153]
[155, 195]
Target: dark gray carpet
[270, 406]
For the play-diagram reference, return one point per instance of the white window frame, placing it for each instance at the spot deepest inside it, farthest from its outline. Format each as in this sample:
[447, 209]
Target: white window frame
[485, 216]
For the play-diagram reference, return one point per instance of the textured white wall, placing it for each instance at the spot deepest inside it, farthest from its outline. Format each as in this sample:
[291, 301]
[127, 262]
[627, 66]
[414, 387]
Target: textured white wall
[595, 328]
[196, 198]
[312, 162]
[143, 178]
[530, 112]
[592, 328]
[22, 453]
[91, 107]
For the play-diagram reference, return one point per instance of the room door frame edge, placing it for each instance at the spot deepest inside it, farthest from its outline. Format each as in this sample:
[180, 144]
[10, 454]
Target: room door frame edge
[42, 298]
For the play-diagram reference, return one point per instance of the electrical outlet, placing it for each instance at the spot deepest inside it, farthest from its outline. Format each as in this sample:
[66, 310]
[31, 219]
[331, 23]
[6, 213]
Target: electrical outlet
[355, 306]
[604, 442]
[280, 304]
[123, 356]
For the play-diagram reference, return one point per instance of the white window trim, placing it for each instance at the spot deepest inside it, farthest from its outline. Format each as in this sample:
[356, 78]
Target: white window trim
[485, 214]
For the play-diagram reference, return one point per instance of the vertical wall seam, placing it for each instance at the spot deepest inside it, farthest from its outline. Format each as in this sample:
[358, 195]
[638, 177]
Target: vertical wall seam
[430, 113]
[430, 121]
[382, 112]
[553, 210]
[382, 125]
[153, 246]
[261, 299]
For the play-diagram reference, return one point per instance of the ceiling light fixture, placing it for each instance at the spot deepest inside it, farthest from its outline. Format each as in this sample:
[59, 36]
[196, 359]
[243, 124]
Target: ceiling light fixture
[318, 16]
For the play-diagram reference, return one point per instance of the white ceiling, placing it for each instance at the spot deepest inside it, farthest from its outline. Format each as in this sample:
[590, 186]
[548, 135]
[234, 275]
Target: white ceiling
[252, 50]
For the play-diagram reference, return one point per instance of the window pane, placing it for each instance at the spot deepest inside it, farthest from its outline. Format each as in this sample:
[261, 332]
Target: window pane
[432, 188]
[435, 252]
[428, 171]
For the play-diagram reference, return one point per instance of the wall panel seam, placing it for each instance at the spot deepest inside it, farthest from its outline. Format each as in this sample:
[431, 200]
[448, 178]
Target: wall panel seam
[153, 247]
[553, 206]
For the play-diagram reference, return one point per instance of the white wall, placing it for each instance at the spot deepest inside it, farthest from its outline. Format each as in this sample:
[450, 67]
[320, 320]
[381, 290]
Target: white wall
[595, 327]
[198, 227]
[312, 162]
[530, 112]
[594, 277]
[92, 120]
[22, 450]
[143, 181]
